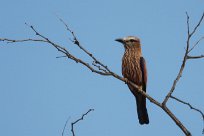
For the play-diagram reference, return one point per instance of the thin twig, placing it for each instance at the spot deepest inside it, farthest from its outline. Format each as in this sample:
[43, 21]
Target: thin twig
[24, 40]
[61, 57]
[76, 42]
[195, 57]
[65, 126]
[75, 122]
[99, 67]
[191, 107]
[196, 44]
[66, 52]
[196, 27]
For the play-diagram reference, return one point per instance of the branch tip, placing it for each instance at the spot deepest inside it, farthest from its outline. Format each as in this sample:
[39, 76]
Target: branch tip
[75, 122]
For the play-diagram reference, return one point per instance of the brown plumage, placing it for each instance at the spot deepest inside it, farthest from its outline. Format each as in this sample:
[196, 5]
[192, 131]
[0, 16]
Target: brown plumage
[134, 69]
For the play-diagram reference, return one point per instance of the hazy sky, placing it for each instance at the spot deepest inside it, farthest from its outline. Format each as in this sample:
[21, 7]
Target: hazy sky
[39, 92]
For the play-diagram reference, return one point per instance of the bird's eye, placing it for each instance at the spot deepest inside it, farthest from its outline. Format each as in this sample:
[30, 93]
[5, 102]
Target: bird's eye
[132, 40]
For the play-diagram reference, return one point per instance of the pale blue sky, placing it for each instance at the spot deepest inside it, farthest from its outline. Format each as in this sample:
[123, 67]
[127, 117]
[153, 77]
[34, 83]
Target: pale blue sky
[39, 92]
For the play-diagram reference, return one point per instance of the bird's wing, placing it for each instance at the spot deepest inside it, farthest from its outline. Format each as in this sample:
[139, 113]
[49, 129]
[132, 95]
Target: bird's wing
[144, 73]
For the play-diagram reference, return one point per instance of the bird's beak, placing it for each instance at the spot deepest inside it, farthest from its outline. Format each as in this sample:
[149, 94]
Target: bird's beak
[120, 40]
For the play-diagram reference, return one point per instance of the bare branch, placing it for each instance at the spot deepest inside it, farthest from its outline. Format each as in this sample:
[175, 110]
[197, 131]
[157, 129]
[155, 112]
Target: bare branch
[75, 122]
[176, 120]
[99, 67]
[185, 56]
[61, 57]
[24, 40]
[67, 28]
[196, 27]
[188, 104]
[76, 42]
[188, 29]
[59, 48]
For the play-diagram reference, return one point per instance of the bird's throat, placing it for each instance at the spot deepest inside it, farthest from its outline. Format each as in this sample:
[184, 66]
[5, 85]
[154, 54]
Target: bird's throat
[131, 51]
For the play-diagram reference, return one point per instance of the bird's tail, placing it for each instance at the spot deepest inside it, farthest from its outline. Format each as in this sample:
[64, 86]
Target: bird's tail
[141, 109]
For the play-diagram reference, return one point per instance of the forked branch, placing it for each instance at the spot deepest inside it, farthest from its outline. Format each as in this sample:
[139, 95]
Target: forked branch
[186, 55]
[75, 122]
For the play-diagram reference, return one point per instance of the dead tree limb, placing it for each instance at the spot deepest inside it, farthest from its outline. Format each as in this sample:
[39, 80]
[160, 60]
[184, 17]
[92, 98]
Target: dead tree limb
[186, 57]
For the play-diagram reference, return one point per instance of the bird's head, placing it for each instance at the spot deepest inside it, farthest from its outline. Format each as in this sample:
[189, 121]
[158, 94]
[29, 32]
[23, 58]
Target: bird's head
[129, 41]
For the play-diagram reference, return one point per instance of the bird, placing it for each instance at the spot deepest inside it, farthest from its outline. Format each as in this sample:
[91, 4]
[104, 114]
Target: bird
[134, 69]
